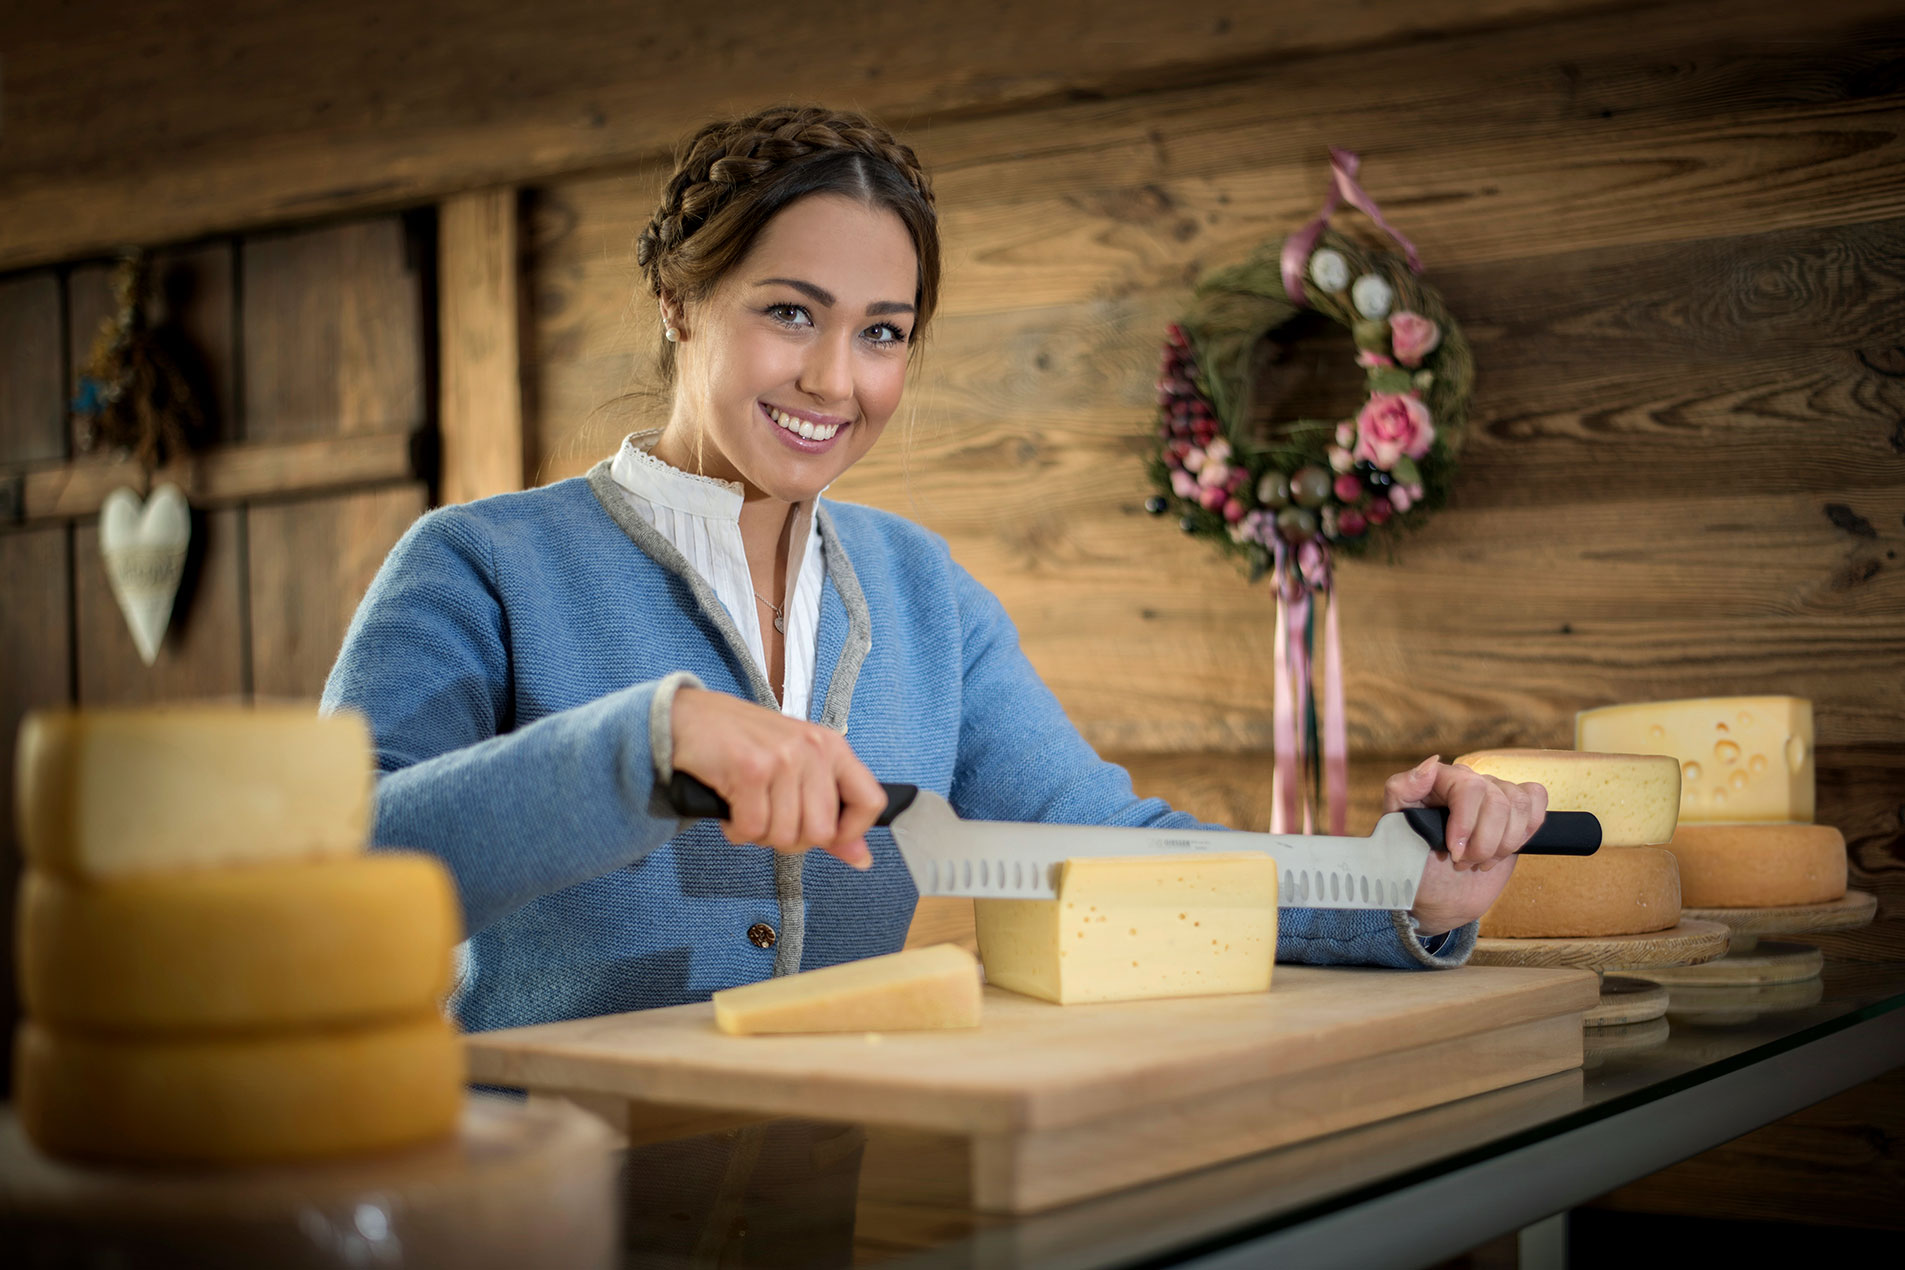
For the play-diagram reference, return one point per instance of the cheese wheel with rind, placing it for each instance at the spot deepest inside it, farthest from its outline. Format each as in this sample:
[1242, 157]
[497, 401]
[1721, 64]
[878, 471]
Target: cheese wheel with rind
[1134, 927]
[278, 1097]
[302, 944]
[1759, 866]
[932, 987]
[1741, 758]
[114, 793]
[1636, 797]
[1615, 891]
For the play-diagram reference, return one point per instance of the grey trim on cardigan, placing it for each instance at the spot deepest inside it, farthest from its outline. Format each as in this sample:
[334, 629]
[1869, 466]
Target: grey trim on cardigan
[1454, 950]
[787, 868]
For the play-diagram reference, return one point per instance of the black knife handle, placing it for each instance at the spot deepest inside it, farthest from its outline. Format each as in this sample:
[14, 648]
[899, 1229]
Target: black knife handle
[691, 798]
[1561, 832]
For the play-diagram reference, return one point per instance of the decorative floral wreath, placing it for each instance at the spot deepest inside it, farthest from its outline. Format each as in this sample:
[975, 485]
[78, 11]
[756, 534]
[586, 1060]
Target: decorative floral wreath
[1340, 484]
[1287, 496]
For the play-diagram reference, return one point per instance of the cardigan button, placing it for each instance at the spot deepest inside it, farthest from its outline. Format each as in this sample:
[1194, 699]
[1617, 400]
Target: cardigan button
[761, 935]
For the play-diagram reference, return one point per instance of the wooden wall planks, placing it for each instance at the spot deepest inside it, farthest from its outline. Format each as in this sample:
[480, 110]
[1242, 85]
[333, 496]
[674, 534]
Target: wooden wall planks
[332, 345]
[366, 106]
[311, 562]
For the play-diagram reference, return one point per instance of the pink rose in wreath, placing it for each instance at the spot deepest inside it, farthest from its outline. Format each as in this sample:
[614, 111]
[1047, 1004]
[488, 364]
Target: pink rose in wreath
[1391, 425]
[1413, 336]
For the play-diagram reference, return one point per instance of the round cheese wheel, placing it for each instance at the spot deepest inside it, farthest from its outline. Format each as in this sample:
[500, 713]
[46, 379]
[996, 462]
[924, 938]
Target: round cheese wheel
[1636, 797]
[1759, 866]
[277, 1097]
[1615, 891]
[308, 943]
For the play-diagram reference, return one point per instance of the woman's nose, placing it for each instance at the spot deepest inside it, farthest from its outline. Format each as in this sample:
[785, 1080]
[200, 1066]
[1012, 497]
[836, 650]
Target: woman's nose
[828, 373]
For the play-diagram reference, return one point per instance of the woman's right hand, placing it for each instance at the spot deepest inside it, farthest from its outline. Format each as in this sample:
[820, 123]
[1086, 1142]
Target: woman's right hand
[789, 785]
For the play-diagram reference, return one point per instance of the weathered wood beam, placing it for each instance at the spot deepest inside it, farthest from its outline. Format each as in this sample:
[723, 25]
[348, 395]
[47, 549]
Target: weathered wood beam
[481, 404]
[169, 119]
[233, 474]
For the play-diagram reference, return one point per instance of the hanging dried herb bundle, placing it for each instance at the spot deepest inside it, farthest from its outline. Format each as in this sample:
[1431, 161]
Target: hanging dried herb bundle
[134, 399]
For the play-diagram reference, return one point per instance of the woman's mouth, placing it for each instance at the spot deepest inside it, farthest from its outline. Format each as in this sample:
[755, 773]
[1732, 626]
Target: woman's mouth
[803, 434]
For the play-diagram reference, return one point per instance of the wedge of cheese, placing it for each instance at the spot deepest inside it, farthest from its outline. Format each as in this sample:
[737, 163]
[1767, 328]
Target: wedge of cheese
[1636, 797]
[1759, 866]
[932, 987]
[1132, 927]
[115, 793]
[1741, 758]
[1615, 891]
[302, 944]
[277, 1096]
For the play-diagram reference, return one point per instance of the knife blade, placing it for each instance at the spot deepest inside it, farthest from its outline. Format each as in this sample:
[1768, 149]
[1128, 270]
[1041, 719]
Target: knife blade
[994, 859]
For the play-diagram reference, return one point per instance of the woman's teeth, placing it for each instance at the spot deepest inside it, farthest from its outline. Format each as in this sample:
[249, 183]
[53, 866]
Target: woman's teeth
[800, 427]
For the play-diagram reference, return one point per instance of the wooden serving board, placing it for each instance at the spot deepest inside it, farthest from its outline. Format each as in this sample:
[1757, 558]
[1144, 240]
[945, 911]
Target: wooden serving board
[1689, 943]
[1063, 1102]
[517, 1188]
[1852, 910]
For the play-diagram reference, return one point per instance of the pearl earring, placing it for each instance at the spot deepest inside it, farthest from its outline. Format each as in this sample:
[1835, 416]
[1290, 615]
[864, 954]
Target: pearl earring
[671, 334]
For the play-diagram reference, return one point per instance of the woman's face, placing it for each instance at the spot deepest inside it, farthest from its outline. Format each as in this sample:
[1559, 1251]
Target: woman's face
[792, 367]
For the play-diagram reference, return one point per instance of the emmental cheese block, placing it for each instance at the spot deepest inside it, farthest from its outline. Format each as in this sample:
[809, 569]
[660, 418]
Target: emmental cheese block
[1741, 758]
[1615, 891]
[1636, 797]
[1759, 866]
[115, 793]
[280, 1096]
[1134, 927]
[302, 944]
[932, 987]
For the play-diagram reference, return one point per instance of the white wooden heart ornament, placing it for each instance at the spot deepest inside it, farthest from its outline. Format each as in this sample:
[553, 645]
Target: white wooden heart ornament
[143, 544]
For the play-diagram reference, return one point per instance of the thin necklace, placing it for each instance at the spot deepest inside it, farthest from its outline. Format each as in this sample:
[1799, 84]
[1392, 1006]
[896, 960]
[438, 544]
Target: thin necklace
[780, 623]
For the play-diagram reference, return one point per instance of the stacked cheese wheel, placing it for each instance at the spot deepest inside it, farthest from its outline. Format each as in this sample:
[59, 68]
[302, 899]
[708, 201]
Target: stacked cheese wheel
[214, 971]
[1630, 886]
[1746, 803]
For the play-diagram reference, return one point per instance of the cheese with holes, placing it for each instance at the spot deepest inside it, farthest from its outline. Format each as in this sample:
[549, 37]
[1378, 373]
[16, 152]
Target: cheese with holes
[1636, 797]
[276, 1096]
[1132, 927]
[1741, 758]
[305, 943]
[112, 793]
[1759, 866]
[1615, 891]
[932, 987]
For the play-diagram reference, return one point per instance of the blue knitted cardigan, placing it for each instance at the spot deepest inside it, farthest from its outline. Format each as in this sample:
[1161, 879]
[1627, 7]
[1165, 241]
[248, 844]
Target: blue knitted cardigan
[516, 658]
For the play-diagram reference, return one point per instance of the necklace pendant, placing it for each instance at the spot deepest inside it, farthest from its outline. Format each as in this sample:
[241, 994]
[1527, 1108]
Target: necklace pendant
[780, 623]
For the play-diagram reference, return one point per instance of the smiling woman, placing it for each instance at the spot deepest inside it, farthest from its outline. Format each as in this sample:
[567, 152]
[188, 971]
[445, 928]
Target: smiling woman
[536, 666]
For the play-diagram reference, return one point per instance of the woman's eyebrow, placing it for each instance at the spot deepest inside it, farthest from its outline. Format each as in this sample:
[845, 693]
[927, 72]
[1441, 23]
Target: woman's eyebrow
[825, 298]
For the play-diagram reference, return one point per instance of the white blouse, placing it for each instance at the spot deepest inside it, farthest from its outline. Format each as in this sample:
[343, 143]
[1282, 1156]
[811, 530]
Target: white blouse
[701, 516]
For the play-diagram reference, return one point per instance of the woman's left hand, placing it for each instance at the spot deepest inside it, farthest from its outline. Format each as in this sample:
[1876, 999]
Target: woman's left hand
[1489, 820]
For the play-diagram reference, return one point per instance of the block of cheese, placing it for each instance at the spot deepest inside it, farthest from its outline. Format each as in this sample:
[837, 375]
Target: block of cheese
[1615, 891]
[1636, 797]
[275, 1096]
[301, 944]
[1759, 866]
[932, 987]
[112, 793]
[1741, 758]
[1132, 927]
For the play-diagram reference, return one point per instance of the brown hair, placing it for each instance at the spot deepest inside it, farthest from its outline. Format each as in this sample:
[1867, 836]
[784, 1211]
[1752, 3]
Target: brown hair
[734, 175]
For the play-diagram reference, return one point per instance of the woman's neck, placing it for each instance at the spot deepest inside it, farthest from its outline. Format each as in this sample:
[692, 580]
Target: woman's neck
[764, 519]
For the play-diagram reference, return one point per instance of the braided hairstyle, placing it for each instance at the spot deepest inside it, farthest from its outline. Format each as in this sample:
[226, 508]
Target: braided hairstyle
[733, 175]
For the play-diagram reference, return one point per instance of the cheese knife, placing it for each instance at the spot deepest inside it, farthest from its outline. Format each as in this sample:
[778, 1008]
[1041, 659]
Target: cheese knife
[996, 859]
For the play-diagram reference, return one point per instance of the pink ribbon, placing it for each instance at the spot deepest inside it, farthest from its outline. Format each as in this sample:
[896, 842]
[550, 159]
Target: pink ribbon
[1335, 725]
[1343, 189]
[1290, 804]
[1286, 780]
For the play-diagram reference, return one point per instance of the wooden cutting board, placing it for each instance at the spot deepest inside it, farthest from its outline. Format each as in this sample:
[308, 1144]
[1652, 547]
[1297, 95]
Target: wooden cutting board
[1061, 1102]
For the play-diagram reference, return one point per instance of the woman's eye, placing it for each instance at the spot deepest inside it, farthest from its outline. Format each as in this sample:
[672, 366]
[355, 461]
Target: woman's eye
[789, 314]
[886, 333]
